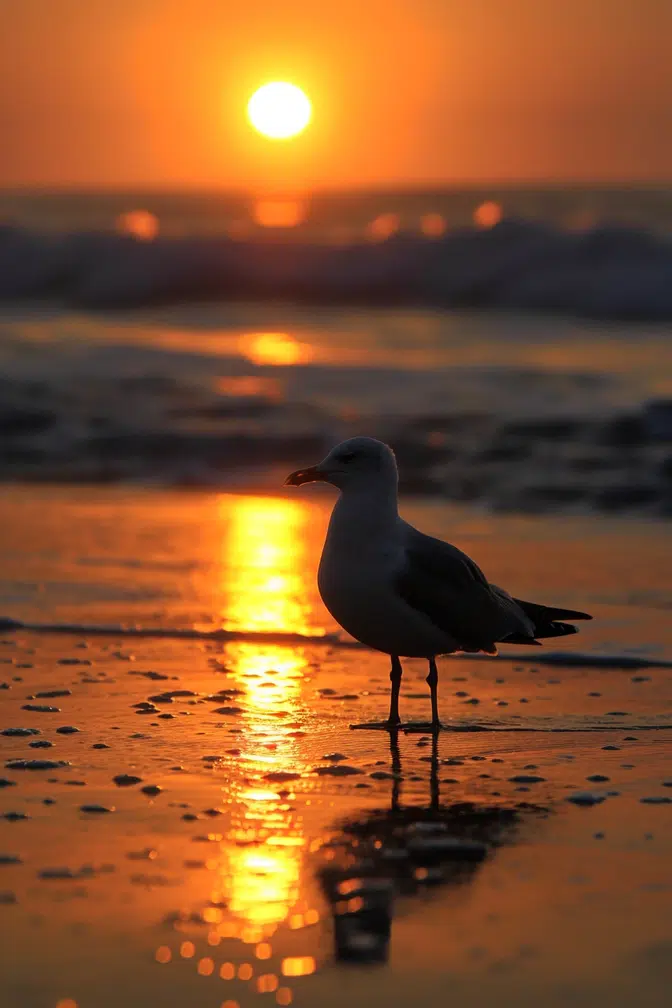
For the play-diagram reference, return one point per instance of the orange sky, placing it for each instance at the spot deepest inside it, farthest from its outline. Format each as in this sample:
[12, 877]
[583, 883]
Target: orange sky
[152, 92]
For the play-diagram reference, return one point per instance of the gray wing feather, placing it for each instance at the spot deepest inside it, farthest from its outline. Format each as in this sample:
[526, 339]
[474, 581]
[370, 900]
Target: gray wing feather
[521, 623]
[447, 586]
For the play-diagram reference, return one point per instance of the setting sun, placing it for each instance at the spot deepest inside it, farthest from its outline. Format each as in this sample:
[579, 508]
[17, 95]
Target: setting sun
[279, 110]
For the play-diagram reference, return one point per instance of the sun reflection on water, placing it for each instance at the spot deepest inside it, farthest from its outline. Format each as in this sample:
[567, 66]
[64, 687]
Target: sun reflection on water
[277, 349]
[266, 567]
[265, 563]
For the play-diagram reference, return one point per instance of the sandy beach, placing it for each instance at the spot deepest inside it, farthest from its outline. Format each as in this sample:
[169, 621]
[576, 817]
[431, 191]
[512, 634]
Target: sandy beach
[202, 801]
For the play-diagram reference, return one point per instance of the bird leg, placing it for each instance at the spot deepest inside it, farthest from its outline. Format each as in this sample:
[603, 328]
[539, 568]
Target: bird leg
[393, 723]
[395, 678]
[435, 724]
[432, 681]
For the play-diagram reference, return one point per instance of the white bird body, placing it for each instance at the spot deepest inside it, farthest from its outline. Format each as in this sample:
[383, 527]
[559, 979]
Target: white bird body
[358, 569]
[402, 592]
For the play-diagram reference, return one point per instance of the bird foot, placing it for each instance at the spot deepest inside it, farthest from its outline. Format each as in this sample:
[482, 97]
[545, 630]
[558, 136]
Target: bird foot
[391, 726]
[424, 726]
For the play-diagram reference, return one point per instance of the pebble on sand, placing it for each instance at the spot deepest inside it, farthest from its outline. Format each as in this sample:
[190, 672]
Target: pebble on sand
[146, 854]
[339, 770]
[50, 694]
[586, 798]
[57, 874]
[96, 809]
[35, 764]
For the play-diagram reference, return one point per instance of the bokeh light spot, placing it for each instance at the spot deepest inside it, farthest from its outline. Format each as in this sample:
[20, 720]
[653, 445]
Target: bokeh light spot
[383, 226]
[141, 224]
[488, 214]
[278, 213]
[432, 225]
[298, 966]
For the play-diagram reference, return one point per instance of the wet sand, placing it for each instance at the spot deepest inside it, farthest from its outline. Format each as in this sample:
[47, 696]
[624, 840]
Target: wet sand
[223, 886]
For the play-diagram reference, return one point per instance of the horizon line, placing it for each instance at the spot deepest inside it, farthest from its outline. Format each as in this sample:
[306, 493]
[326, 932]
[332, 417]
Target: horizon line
[414, 188]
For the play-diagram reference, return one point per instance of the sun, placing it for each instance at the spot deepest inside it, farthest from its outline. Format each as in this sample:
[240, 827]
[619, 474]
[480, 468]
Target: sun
[279, 110]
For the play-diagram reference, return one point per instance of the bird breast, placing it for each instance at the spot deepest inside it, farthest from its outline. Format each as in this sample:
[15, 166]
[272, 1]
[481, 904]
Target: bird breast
[359, 593]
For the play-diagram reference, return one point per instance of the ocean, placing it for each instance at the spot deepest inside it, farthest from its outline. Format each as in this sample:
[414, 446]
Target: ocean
[511, 344]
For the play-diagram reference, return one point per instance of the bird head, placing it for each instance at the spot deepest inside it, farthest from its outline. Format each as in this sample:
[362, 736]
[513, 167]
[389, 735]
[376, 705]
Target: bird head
[353, 463]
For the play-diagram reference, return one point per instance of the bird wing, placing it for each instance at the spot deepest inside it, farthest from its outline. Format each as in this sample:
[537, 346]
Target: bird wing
[451, 590]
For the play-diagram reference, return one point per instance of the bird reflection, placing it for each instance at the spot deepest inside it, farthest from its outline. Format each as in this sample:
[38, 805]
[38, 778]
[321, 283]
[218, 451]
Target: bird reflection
[395, 762]
[402, 850]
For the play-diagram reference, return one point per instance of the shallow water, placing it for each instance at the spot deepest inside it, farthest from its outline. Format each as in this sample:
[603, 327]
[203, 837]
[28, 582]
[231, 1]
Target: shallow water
[516, 414]
[367, 360]
[144, 906]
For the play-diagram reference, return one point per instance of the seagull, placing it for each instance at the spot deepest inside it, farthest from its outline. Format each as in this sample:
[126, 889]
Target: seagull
[402, 592]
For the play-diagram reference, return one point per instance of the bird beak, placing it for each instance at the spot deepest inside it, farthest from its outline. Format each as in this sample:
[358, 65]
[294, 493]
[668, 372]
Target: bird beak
[313, 474]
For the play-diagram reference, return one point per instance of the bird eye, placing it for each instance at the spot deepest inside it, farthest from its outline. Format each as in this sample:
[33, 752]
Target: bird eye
[347, 456]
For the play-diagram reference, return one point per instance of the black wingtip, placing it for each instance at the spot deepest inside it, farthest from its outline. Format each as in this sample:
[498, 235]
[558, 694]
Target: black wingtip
[555, 629]
[548, 614]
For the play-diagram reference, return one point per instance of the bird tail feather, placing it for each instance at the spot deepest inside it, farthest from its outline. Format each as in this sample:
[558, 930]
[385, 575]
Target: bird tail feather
[548, 621]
